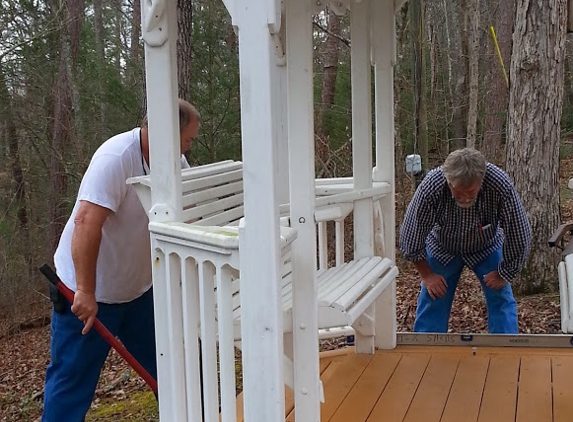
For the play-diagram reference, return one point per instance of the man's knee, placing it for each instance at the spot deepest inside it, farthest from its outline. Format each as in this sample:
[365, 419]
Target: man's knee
[432, 316]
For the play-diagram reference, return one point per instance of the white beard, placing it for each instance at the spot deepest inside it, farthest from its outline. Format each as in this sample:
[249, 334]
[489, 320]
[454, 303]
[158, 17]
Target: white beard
[465, 204]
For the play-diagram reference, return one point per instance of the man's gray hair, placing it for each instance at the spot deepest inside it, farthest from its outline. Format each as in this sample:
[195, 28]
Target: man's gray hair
[187, 114]
[464, 167]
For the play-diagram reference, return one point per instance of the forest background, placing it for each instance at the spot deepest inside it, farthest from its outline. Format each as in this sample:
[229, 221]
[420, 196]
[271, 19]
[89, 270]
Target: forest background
[493, 74]
[72, 75]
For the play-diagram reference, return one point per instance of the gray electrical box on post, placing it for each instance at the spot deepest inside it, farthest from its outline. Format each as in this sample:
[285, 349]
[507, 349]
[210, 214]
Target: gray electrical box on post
[413, 164]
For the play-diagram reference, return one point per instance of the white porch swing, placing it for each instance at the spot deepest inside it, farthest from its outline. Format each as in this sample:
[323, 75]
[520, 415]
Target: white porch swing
[256, 282]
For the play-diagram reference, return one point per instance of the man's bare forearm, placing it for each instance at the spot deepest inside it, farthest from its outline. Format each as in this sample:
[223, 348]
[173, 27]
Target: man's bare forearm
[86, 241]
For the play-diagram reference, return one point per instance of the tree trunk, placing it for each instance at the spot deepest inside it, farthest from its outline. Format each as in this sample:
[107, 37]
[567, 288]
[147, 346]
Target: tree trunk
[498, 93]
[134, 47]
[7, 121]
[118, 21]
[399, 88]
[101, 97]
[329, 72]
[460, 56]
[17, 175]
[184, 25]
[434, 61]
[474, 53]
[63, 117]
[568, 94]
[535, 107]
[448, 13]
[419, 59]
[136, 71]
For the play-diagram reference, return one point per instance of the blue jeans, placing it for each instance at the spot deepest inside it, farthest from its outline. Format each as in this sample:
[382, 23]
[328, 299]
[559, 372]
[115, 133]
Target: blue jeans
[77, 360]
[432, 315]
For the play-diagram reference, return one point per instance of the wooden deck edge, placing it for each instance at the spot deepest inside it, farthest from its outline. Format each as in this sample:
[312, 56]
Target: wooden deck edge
[480, 350]
[336, 352]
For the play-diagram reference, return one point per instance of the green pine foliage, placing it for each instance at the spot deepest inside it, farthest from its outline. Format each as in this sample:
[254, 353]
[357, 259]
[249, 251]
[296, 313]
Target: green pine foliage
[215, 84]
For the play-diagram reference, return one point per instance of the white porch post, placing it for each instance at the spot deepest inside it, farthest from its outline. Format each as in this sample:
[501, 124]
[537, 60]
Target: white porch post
[302, 197]
[362, 139]
[159, 30]
[281, 115]
[261, 327]
[384, 46]
[281, 120]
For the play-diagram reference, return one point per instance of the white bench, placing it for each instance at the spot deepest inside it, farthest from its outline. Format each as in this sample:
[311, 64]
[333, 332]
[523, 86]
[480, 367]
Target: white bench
[565, 271]
[199, 259]
[344, 291]
[213, 196]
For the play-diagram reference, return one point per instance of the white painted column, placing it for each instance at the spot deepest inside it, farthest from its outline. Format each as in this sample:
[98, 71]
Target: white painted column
[159, 31]
[302, 197]
[281, 120]
[281, 115]
[261, 314]
[362, 138]
[384, 50]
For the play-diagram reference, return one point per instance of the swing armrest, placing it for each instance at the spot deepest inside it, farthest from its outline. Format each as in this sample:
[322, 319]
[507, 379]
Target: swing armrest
[556, 239]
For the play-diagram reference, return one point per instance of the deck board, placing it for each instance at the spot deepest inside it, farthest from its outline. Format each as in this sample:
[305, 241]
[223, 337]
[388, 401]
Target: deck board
[432, 394]
[499, 397]
[398, 394]
[445, 384]
[337, 387]
[562, 374]
[358, 403]
[465, 396]
[534, 402]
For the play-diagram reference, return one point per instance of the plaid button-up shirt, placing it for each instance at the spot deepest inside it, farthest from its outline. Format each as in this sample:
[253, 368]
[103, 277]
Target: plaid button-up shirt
[434, 221]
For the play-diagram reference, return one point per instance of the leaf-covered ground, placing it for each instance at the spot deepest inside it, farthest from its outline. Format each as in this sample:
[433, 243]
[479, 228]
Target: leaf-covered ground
[122, 395]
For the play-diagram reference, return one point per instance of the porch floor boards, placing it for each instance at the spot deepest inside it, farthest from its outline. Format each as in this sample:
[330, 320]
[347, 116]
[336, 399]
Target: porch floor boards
[445, 384]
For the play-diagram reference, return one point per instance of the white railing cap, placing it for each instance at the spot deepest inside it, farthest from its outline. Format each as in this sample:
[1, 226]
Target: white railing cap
[288, 235]
[226, 237]
[223, 237]
[143, 180]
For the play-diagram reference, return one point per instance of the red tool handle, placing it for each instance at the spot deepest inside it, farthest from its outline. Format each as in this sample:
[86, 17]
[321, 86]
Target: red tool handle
[102, 330]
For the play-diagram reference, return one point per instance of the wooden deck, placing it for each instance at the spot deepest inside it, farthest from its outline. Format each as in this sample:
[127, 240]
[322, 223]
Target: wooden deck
[446, 384]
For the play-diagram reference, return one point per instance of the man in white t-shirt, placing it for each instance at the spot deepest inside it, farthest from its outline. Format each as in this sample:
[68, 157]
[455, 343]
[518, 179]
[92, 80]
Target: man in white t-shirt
[104, 256]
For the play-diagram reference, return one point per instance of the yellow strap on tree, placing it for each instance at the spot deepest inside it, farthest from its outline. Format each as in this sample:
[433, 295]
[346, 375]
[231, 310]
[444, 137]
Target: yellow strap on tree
[499, 55]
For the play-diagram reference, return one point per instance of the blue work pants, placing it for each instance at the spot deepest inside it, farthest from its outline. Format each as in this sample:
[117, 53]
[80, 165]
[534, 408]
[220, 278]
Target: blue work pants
[432, 316]
[77, 360]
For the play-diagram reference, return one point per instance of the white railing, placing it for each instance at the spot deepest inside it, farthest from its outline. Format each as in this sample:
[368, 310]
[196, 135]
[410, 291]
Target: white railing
[340, 191]
[191, 281]
[195, 274]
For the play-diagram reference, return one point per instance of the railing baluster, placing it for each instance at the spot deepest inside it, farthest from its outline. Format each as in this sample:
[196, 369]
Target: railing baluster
[322, 246]
[191, 322]
[339, 239]
[226, 344]
[171, 292]
[209, 341]
[167, 380]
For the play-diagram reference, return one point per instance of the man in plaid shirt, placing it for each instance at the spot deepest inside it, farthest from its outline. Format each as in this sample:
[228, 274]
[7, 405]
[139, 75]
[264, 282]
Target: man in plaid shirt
[466, 212]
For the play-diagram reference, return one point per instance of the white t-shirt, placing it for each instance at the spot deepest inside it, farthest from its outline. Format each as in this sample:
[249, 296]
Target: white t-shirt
[123, 270]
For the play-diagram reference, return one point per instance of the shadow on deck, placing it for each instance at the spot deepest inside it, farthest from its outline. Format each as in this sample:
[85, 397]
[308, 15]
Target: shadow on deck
[446, 384]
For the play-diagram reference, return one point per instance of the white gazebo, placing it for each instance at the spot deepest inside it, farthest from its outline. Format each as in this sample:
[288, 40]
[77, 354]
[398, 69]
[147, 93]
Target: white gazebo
[236, 260]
